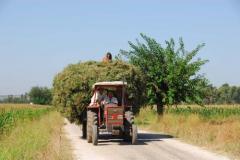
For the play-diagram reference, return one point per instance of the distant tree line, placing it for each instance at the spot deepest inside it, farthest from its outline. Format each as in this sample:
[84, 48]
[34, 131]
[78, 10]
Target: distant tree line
[224, 94]
[40, 95]
[23, 98]
[37, 95]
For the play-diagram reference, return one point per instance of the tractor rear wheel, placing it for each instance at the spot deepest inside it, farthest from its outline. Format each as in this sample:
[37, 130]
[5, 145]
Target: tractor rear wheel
[134, 134]
[95, 135]
[89, 125]
[84, 129]
[95, 130]
[128, 122]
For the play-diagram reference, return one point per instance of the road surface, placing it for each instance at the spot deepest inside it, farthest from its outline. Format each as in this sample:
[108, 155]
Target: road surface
[150, 146]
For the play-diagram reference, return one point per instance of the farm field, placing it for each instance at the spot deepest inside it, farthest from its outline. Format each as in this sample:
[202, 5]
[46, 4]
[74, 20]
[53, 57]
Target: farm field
[216, 127]
[31, 132]
[11, 115]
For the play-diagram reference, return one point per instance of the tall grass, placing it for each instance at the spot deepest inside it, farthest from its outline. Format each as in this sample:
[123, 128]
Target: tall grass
[11, 115]
[215, 127]
[32, 133]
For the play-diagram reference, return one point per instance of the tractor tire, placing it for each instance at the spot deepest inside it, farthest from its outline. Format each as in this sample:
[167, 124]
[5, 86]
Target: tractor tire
[126, 136]
[95, 130]
[92, 120]
[89, 126]
[134, 134]
[84, 130]
[128, 122]
[95, 135]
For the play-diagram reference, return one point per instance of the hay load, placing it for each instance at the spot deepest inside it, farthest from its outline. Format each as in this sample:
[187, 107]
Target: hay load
[72, 87]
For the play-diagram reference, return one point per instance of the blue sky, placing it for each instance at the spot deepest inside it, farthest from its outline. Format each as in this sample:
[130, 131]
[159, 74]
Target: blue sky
[38, 38]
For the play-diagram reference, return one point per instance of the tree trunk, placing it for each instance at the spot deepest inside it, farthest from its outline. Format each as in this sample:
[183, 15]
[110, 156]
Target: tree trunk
[160, 109]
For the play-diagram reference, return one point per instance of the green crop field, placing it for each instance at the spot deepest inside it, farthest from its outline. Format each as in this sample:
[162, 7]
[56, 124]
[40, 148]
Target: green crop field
[31, 132]
[208, 112]
[10, 115]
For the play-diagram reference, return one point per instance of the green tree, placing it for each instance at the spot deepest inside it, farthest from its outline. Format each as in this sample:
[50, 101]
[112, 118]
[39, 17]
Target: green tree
[172, 74]
[40, 95]
[224, 94]
[228, 94]
[235, 94]
[211, 95]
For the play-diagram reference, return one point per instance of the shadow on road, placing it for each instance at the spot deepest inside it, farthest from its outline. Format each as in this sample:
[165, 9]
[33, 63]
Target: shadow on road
[153, 136]
[143, 138]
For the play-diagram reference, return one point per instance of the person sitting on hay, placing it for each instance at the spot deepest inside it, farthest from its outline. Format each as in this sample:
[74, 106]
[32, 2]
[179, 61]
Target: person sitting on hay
[108, 57]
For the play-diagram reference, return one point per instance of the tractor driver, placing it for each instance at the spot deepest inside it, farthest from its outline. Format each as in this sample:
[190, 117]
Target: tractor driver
[110, 99]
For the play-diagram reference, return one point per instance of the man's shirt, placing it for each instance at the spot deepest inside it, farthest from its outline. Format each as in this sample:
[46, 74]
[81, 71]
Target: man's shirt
[112, 100]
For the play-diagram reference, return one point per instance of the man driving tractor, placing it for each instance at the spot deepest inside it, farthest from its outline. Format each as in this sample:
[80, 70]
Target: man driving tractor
[110, 99]
[100, 98]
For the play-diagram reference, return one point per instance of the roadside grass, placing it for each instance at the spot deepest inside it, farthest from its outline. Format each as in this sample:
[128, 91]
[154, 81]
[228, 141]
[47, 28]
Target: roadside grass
[214, 127]
[38, 137]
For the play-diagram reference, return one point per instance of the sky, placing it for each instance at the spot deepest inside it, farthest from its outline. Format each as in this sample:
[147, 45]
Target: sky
[38, 38]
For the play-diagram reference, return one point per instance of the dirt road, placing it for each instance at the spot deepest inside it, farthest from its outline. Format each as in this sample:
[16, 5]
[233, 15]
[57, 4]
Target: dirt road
[150, 146]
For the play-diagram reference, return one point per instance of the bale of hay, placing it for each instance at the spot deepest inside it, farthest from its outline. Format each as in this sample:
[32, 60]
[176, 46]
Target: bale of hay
[73, 86]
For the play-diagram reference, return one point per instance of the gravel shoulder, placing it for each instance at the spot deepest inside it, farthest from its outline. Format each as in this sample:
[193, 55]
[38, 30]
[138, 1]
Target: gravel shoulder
[152, 146]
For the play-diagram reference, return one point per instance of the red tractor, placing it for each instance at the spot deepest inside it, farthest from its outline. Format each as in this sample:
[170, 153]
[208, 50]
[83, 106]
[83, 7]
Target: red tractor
[104, 116]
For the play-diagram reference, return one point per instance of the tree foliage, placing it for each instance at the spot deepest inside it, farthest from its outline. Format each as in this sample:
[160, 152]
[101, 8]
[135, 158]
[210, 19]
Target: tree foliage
[224, 94]
[40, 95]
[171, 74]
[73, 86]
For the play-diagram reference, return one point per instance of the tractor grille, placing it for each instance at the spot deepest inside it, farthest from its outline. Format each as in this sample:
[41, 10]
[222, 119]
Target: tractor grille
[115, 115]
[115, 110]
